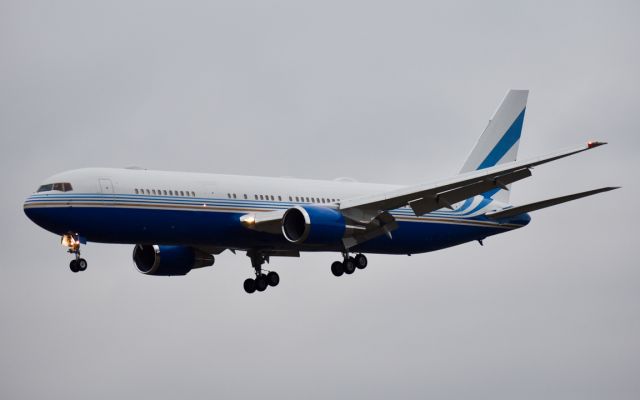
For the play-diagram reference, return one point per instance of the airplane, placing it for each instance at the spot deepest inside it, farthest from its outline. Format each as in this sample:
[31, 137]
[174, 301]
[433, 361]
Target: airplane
[179, 221]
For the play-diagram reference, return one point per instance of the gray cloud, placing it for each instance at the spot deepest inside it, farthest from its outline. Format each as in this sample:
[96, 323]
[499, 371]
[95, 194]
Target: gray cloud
[376, 91]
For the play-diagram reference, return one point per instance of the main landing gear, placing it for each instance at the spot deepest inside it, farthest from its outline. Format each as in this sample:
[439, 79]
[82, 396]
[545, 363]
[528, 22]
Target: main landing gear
[349, 265]
[72, 243]
[262, 280]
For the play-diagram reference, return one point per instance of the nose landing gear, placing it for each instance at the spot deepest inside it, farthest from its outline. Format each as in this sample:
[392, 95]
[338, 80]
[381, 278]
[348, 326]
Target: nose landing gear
[72, 243]
[78, 265]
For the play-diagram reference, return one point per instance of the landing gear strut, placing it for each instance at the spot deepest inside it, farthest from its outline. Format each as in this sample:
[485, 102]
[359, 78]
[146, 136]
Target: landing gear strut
[72, 242]
[349, 264]
[262, 281]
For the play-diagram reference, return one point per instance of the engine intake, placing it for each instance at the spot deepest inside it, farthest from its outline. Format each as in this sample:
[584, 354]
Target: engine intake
[169, 260]
[313, 225]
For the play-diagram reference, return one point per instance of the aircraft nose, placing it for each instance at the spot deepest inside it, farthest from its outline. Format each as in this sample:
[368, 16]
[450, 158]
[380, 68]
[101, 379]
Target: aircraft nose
[27, 207]
[36, 213]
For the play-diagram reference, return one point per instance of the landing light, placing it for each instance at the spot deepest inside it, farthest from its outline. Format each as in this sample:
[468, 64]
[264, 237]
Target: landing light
[248, 220]
[70, 242]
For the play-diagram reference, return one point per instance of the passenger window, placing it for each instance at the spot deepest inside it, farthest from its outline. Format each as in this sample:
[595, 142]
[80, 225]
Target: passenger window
[234, 196]
[136, 190]
[272, 198]
[229, 195]
[193, 194]
[164, 192]
[297, 198]
[181, 193]
[245, 197]
[170, 192]
[279, 198]
[153, 191]
[290, 199]
[261, 197]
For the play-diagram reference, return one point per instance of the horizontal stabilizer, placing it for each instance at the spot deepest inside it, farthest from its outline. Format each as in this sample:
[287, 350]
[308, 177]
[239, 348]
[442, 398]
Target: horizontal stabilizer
[512, 212]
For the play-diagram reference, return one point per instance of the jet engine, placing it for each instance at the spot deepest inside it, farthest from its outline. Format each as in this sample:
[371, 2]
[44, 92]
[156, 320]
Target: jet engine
[313, 225]
[169, 260]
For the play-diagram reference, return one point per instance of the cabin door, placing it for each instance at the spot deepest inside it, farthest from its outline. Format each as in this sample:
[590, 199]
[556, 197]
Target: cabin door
[105, 185]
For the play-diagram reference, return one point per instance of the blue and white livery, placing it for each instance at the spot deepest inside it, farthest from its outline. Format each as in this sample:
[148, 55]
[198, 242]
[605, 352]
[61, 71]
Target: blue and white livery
[178, 221]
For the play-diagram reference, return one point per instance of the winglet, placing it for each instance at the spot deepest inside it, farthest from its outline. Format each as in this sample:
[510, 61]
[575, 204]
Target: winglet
[594, 143]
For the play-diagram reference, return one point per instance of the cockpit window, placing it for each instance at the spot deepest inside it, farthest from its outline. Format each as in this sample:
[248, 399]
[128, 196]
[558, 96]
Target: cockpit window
[59, 186]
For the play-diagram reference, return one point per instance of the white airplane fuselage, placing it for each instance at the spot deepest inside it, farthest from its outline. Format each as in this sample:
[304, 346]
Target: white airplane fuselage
[136, 206]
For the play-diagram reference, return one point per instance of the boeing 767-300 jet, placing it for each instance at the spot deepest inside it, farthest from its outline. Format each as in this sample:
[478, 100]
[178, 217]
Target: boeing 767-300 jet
[178, 221]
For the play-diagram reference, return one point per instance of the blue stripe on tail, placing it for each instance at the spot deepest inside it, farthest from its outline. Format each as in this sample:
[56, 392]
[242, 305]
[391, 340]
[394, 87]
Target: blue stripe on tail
[511, 136]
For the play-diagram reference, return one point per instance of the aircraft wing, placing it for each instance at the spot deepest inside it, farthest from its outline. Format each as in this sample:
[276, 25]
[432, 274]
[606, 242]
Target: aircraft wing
[430, 197]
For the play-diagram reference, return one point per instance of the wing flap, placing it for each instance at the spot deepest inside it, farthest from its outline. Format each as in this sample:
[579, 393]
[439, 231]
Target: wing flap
[476, 182]
[447, 199]
[513, 211]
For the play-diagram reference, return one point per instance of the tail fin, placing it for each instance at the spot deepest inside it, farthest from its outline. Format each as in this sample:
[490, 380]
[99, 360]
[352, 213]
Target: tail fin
[499, 142]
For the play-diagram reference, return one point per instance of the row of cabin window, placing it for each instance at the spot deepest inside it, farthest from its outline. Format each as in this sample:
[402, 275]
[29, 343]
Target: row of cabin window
[165, 192]
[297, 198]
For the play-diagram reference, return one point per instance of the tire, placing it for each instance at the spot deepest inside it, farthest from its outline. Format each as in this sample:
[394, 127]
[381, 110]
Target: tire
[249, 285]
[337, 269]
[349, 266]
[361, 261]
[73, 266]
[261, 283]
[82, 264]
[273, 278]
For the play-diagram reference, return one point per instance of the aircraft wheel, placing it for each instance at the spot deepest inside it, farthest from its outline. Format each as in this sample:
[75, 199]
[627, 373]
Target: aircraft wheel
[349, 266]
[73, 266]
[337, 269]
[361, 261]
[261, 283]
[250, 285]
[82, 264]
[273, 278]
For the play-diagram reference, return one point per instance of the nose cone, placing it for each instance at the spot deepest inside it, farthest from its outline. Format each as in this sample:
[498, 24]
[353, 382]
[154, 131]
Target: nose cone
[30, 211]
[40, 215]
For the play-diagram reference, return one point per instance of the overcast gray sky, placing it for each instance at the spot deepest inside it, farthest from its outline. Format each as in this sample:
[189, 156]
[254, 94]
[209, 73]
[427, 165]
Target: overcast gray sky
[393, 92]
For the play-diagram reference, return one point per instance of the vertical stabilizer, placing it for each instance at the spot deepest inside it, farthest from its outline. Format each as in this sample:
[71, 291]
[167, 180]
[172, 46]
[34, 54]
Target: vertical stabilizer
[499, 142]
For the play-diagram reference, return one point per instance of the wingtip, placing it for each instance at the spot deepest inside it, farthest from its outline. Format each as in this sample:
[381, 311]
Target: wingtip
[594, 143]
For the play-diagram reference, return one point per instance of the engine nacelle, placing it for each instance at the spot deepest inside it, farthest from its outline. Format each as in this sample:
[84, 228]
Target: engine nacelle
[169, 260]
[313, 225]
